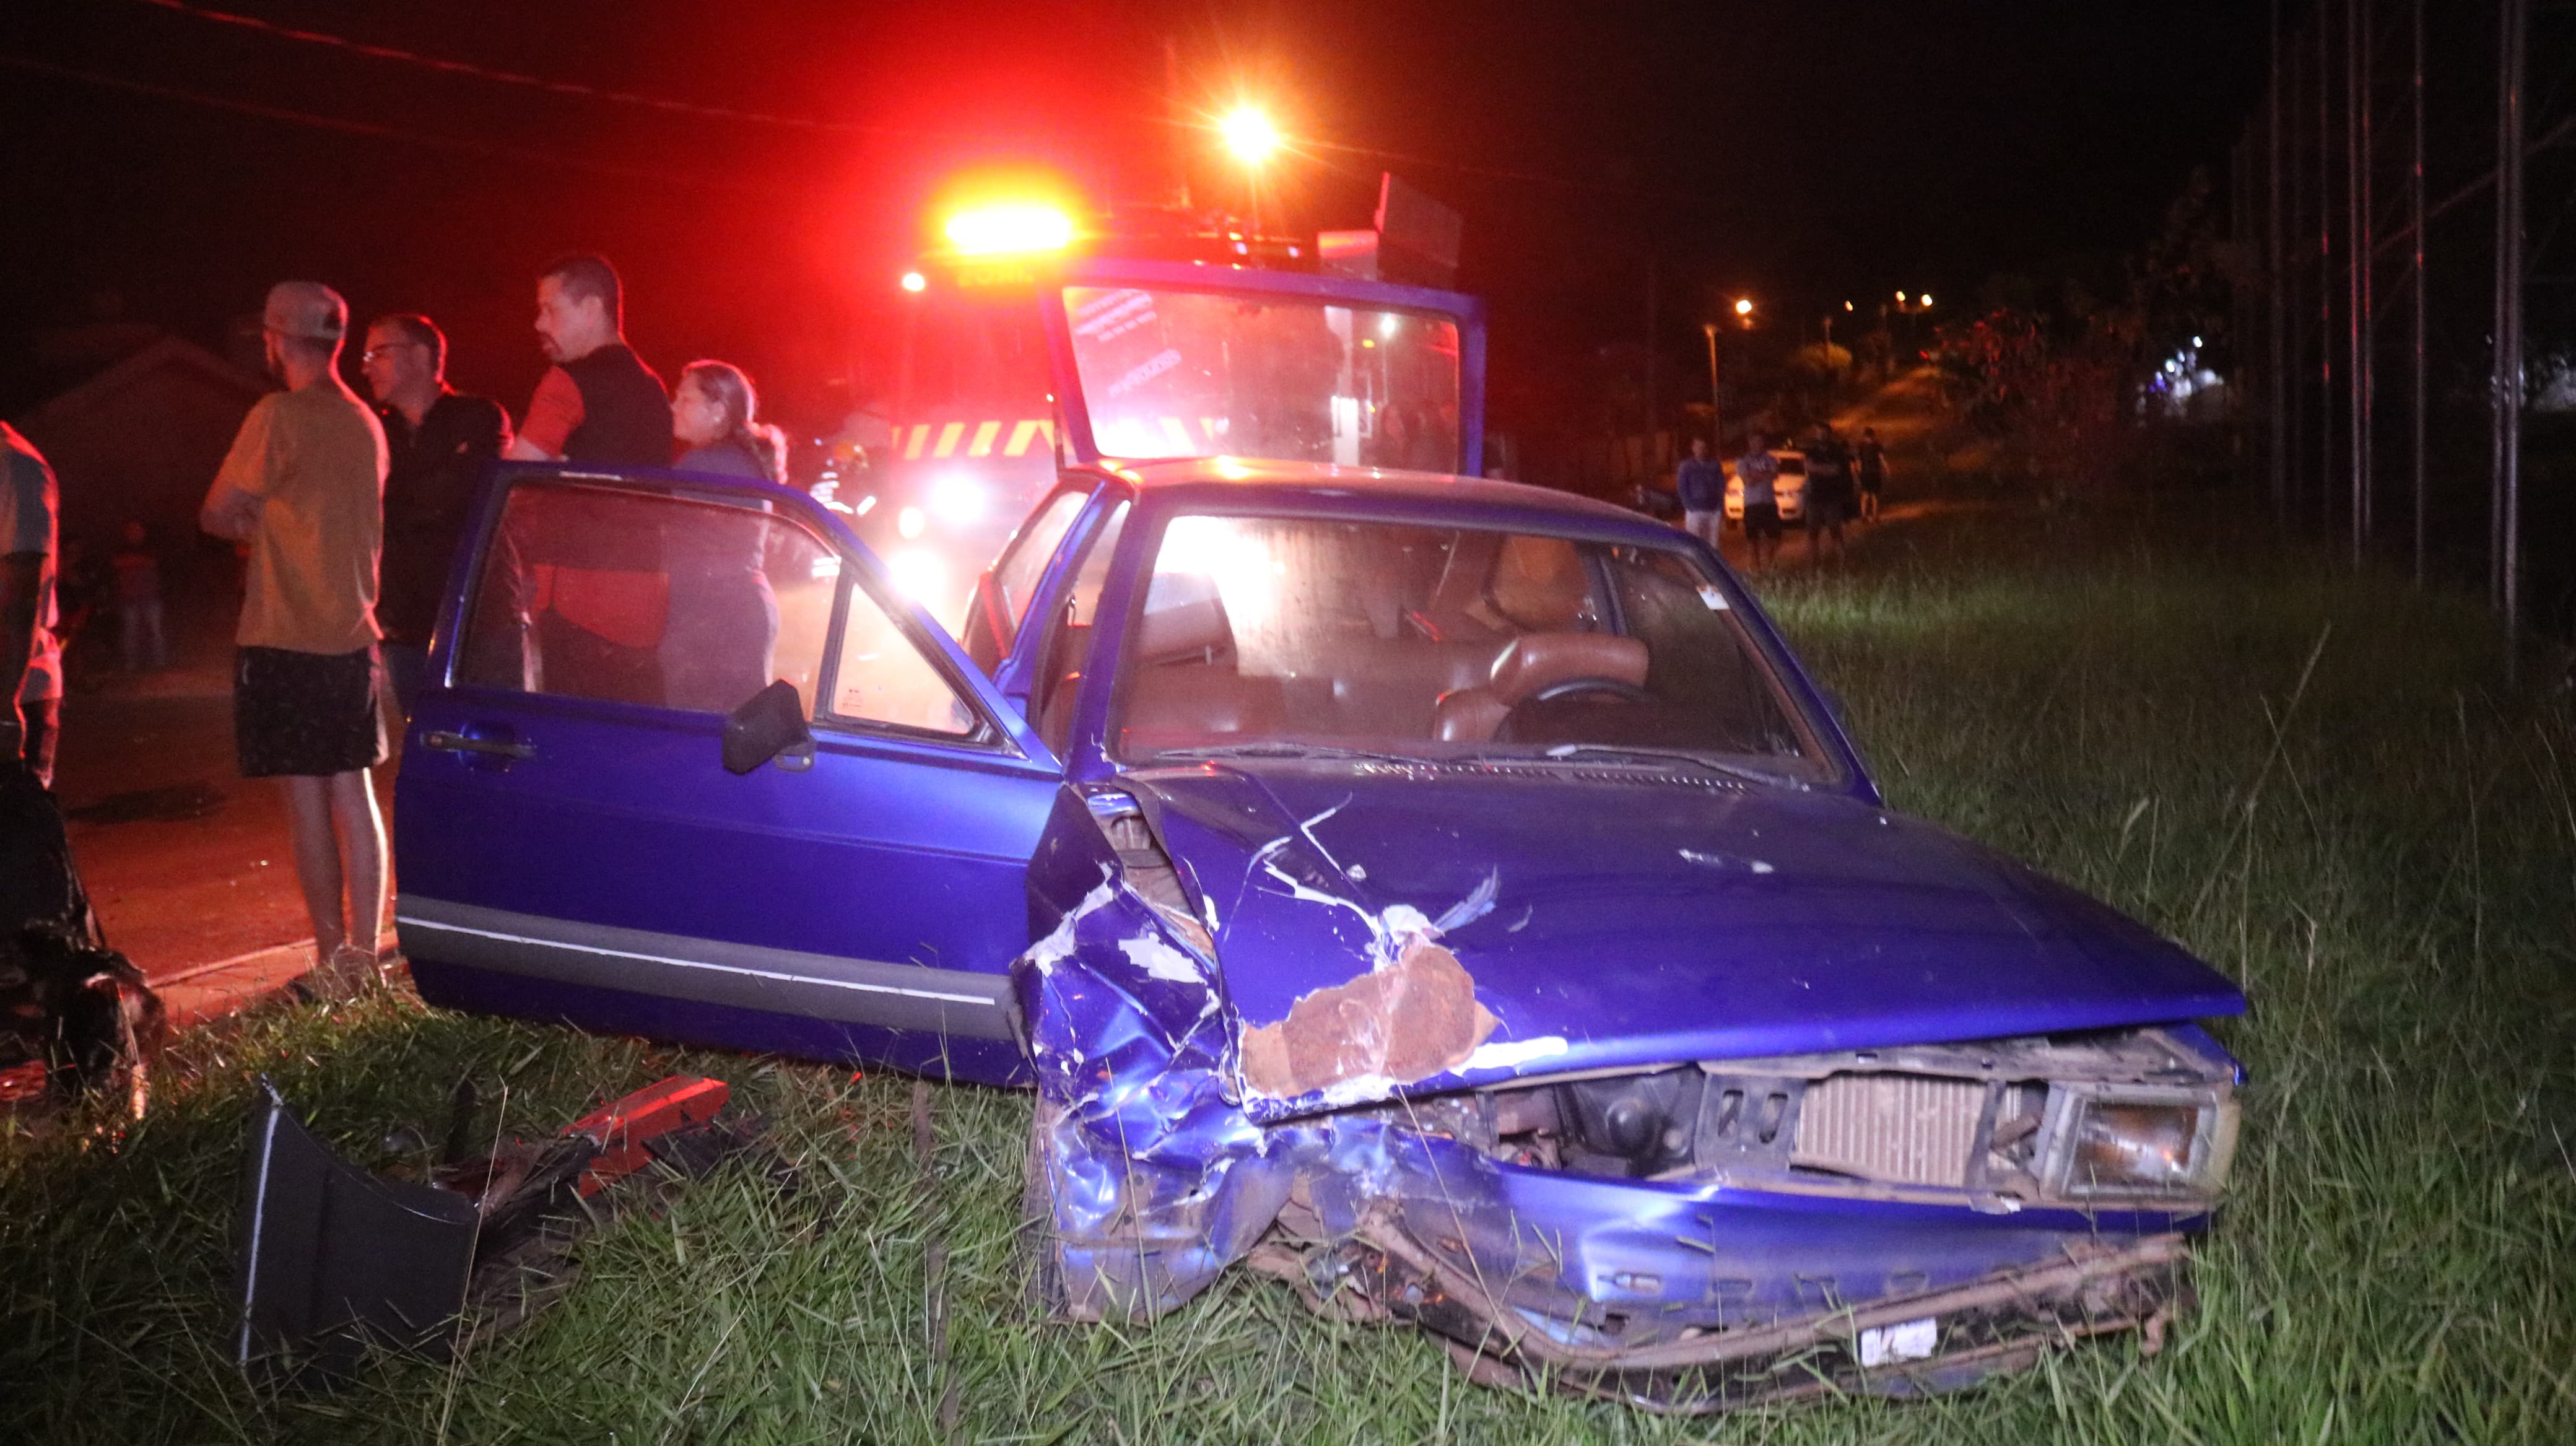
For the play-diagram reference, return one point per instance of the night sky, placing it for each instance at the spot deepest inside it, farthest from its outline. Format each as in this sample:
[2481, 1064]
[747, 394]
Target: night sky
[1799, 152]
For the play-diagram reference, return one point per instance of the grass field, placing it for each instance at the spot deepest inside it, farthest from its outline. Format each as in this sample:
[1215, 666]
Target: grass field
[2310, 778]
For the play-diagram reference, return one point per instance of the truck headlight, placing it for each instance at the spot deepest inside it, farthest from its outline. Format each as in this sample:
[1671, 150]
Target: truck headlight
[2118, 1142]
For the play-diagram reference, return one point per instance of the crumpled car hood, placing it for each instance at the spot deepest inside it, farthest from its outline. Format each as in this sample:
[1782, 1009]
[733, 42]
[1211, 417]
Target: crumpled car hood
[1604, 919]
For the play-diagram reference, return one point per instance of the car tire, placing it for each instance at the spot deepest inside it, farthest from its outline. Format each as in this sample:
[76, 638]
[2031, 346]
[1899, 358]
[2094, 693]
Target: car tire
[1043, 1271]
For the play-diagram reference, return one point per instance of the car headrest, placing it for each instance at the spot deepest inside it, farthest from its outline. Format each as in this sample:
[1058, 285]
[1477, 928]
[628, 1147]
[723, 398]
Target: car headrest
[1534, 661]
[1540, 582]
[1184, 618]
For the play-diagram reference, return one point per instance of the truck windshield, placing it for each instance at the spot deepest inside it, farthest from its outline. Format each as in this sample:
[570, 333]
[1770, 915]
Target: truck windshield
[1286, 633]
[1169, 373]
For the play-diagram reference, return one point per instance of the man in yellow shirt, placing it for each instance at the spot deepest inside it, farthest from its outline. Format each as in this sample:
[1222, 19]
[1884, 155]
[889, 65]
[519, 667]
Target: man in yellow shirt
[302, 490]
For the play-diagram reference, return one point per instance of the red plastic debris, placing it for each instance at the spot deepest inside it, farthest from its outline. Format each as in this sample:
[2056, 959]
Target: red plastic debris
[622, 1128]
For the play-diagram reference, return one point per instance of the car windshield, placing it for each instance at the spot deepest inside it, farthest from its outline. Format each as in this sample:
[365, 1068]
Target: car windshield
[1274, 634]
[1169, 373]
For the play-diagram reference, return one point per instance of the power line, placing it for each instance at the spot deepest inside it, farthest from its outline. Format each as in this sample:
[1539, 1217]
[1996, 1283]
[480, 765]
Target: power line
[581, 91]
[534, 82]
[368, 129]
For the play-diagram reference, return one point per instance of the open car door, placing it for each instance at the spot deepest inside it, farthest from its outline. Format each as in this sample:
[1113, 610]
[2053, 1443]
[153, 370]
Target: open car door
[573, 843]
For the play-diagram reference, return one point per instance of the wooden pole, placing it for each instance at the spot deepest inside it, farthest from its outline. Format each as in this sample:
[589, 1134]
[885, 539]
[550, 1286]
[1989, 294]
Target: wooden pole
[2277, 375]
[2423, 288]
[2505, 485]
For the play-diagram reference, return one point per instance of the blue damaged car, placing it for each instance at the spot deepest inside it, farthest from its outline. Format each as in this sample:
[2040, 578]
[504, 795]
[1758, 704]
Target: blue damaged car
[1446, 896]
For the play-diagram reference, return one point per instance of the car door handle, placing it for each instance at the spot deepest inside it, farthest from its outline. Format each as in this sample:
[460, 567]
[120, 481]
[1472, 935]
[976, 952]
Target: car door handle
[447, 742]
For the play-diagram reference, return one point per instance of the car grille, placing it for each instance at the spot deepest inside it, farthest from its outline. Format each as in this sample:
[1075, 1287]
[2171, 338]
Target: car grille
[1908, 1129]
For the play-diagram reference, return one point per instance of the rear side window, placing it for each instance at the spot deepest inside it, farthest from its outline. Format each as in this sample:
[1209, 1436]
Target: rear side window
[1015, 578]
[686, 602]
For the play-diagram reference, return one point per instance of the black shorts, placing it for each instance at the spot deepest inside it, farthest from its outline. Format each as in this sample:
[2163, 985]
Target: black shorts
[305, 714]
[1762, 519]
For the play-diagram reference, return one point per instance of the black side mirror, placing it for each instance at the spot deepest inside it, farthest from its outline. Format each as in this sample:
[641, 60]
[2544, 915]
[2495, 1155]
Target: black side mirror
[770, 724]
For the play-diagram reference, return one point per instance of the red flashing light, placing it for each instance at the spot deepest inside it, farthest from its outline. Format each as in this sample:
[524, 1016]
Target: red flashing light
[1009, 228]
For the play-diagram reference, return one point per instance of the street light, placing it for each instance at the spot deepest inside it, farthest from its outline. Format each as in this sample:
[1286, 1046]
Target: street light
[1744, 306]
[1249, 134]
[1716, 417]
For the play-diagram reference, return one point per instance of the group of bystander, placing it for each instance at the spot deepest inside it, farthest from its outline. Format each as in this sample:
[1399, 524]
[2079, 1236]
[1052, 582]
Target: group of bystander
[347, 518]
[1841, 482]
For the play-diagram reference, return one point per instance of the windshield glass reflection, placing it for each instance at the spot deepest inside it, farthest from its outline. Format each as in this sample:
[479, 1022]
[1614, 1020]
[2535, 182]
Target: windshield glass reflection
[1447, 643]
[1193, 374]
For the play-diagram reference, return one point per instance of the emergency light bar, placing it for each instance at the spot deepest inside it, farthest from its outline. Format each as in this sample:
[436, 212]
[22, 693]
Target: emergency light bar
[1008, 229]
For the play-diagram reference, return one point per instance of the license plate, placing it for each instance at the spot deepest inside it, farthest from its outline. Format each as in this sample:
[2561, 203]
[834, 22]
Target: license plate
[1913, 1340]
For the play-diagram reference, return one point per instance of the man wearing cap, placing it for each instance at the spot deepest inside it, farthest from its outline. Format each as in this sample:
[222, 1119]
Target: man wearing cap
[302, 491]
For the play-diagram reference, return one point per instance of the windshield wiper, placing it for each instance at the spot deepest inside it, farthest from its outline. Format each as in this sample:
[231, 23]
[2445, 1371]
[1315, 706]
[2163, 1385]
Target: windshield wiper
[1281, 748]
[1611, 752]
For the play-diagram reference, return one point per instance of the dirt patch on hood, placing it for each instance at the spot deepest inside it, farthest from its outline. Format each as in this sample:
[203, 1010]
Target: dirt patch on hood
[1412, 1019]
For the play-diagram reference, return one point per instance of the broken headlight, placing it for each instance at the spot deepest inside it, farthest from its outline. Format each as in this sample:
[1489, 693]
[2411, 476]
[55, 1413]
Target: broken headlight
[2122, 1142]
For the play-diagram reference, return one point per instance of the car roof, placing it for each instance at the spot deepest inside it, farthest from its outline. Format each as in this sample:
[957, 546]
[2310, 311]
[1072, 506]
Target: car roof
[1306, 483]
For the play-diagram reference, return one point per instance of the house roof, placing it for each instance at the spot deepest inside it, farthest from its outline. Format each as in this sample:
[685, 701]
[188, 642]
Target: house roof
[161, 354]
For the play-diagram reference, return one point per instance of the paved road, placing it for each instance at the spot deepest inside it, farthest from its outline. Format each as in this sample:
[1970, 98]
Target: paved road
[186, 861]
[1904, 412]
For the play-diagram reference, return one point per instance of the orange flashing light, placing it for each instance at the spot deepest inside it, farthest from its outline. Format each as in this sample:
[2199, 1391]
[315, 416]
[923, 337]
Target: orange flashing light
[1009, 228]
[1249, 134]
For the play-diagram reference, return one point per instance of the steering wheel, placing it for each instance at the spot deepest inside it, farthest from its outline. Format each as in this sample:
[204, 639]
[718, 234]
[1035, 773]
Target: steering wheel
[1569, 688]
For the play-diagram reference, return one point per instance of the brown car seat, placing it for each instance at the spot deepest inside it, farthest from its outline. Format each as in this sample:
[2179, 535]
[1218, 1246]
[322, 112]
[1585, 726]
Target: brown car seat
[1528, 665]
[1185, 688]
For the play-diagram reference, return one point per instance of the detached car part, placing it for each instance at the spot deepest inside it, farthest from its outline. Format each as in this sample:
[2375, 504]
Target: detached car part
[332, 1260]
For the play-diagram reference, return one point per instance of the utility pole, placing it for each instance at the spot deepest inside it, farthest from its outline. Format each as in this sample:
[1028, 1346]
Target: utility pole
[2357, 229]
[2423, 288]
[1176, 127]
[1651, 377]
[2294, 272]
[2505, 463]
[2325, 270]
[1716, 415]
[2277, 375]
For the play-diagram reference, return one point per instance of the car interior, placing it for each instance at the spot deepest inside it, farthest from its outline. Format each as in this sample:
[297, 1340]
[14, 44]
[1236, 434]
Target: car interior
[1384, 635]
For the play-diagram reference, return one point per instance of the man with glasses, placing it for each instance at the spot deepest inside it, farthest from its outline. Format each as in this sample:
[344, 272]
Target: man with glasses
[438, 443]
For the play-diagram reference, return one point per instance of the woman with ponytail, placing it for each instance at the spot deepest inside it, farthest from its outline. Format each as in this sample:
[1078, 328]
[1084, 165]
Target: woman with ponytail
[716, 416]
[717, 648]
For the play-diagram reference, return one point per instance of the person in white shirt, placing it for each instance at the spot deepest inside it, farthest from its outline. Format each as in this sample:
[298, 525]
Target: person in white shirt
[1759, 471]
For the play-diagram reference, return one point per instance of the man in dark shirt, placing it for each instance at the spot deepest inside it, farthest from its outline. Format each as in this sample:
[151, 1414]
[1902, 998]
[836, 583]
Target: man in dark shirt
[439, 442]
[599, 402]
[1873, 472]
[1701, 485]
[1829, 491]
[595, 631]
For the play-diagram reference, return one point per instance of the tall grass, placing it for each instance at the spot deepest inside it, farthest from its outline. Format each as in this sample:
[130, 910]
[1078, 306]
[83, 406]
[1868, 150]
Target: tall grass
[2385, 857]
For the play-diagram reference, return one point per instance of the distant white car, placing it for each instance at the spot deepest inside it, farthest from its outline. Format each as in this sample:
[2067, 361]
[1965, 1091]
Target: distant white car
[1790, 491]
